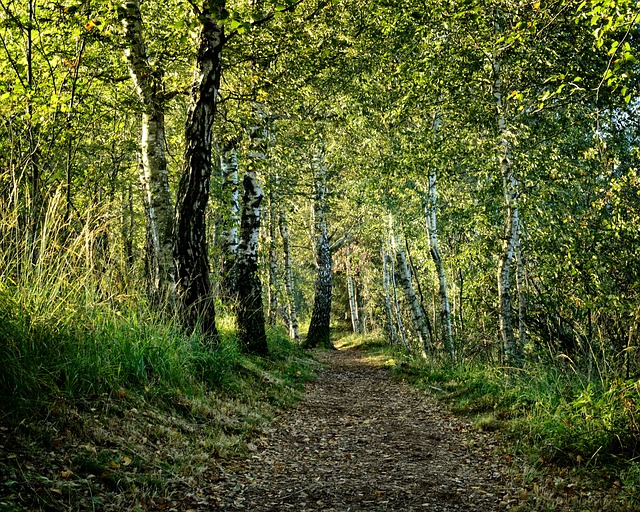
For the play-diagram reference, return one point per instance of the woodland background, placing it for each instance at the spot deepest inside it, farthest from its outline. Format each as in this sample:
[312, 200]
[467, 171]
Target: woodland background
[459, 177]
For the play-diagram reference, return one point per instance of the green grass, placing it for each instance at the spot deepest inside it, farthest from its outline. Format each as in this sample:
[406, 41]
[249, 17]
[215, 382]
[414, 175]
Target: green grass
[552, 415]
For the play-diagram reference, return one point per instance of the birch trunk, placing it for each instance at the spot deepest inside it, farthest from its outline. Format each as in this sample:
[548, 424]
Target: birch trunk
[229, 233]
[319, 328]
[522, 299]
[386, 285]
[294, 329]
[273, 265]
[250, 313]
[403, 275]
[445, 310]
[511, 229]
[190, 250]
[153, 172]
[356, 322]
[396, 302]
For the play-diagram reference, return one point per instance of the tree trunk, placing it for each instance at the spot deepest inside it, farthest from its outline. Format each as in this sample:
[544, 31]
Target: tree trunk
[250, 312]
[356, 321]
[153, 172]
[294, 329]
[522, 299]
[190, 251]
[386, 285]
[403, 275]
[445, 311]
[229, 234]
[319, 328]
[510, 190]
[272, 264]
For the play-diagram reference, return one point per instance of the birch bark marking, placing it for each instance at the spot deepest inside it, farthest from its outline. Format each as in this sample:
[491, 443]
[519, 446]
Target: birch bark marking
[432, 207]
[229, 233]
[153, 172]
[403, 275]
[272, 261]
[510, 190]
[190, 250]
[386, 280]
[356, 322]
[522, 299]
[250, 312]
[294, 329]
[319, 328]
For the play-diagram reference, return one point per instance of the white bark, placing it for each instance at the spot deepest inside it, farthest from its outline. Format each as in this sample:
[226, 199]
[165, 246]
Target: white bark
[229, 234]
[386, 285]
[356, 322]
[273, 265]
[445, 310]
[153, 173]
[250, 312]
[512, 221]
[294, 329]
[319, 327]
[522, 299]
[403, 275]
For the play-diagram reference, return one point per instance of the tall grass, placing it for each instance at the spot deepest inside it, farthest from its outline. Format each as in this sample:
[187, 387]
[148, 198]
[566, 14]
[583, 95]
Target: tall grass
[73, 323]
[552, 411]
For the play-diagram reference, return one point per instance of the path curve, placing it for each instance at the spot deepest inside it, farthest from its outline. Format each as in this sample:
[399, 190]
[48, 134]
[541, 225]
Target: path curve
[361, 441]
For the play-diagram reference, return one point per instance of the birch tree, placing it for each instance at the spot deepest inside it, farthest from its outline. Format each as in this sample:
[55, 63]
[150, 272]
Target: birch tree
[292, 317]
[250, 311]
[153, 171]
[434, 248]
[190, 251]
[403, 275]
[356, 322]
[319, 328]
[512, 220]
[230, 221]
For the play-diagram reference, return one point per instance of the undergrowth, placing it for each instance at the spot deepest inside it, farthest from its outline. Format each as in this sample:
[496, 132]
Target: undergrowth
[551, 414]
[103, 404]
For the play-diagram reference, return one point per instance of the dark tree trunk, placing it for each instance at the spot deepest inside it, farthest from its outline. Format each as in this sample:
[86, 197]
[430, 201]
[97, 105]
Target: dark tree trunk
[319, 331]
[190, 251]
[250, 311]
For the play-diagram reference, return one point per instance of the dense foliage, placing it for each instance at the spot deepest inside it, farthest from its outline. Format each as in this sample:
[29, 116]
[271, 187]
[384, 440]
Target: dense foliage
[341, 117]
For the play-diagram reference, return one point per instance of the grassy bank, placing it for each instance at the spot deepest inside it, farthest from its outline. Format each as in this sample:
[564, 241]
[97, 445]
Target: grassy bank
[120, 412]
[574, 440]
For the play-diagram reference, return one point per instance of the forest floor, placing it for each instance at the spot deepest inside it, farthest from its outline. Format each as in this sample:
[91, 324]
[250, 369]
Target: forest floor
[359, 440]
[362, 441]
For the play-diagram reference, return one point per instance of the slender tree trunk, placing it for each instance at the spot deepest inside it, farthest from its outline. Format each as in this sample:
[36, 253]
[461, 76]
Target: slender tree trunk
[272, 264]
[153, 172]
[522, 299]
[445, 311]
[34, 163]
[403, 275]
[356, 322]
[396, 302]
[460, 299]
[250, 312]
[231, 219]
[510, 190]
[190, 252]
[294, 329]
[386, 285]
[319, 328]
[70, 142]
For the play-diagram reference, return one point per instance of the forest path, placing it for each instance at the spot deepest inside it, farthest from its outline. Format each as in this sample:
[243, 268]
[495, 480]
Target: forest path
[362, 441]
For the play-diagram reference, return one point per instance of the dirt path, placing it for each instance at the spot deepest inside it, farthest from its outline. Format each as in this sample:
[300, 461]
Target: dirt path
[361, 441]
